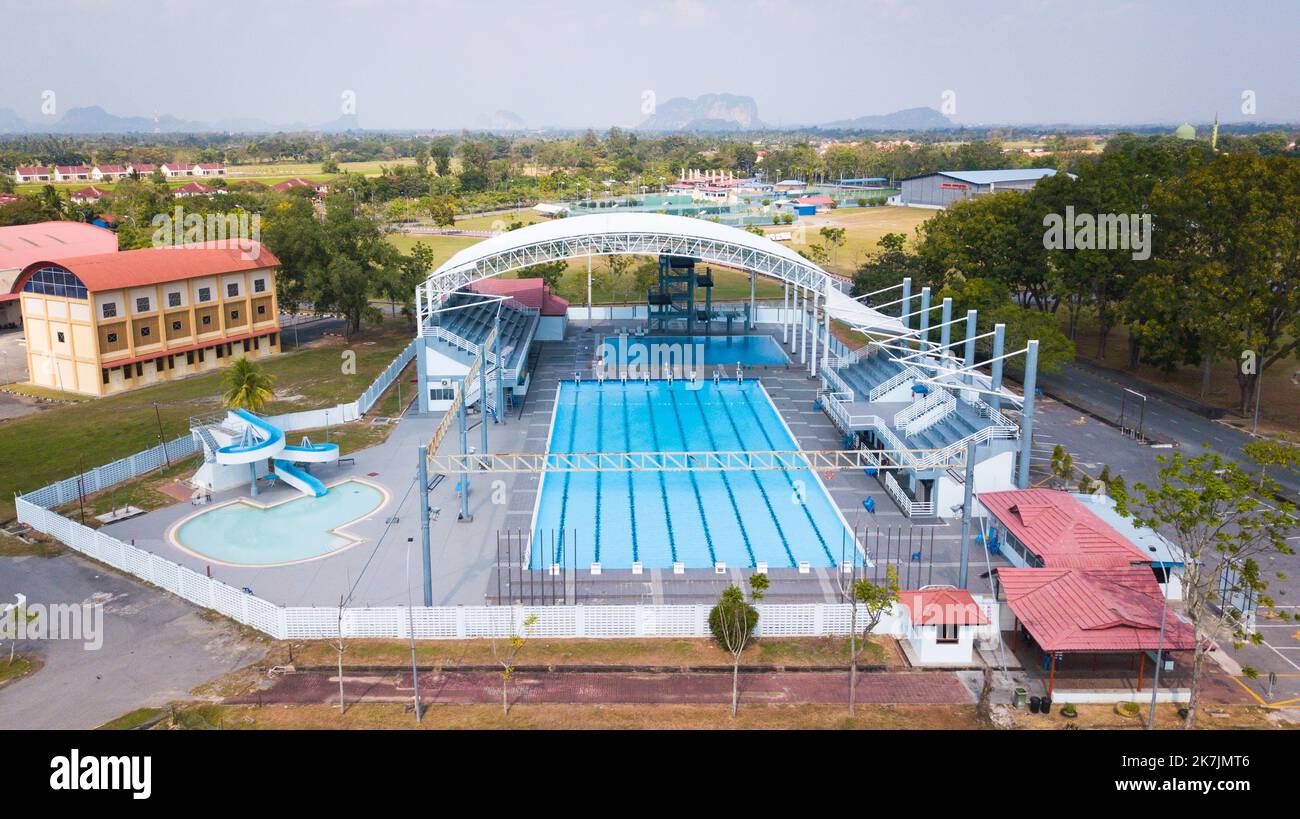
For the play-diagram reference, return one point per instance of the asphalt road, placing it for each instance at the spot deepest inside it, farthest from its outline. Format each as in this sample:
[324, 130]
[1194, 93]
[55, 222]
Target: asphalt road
[155, 647]
[1101, 392]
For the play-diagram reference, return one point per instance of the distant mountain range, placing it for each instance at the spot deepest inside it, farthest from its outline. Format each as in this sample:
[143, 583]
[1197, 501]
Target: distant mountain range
[95, 120]
[731, 112]
[708, 112]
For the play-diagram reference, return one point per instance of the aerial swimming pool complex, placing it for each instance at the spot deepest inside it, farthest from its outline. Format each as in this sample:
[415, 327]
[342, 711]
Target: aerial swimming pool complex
[658, 517]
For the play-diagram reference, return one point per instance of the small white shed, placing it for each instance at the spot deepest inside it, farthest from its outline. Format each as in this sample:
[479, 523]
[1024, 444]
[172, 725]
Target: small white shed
[940, 624]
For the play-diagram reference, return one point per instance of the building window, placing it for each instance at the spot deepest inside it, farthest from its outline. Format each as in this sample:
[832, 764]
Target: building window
[436, 394]
[200, 356]
[946, 633]
[110, 310]
[55, 281]
[173, 299]
[257, 344]
[261, 309]
[189, 358]
[142, 304]
[220, 348]
[139, 369]
[158, 364]
[234, 314]
[103, 374]
[176, 325]
[207, 319]
[272, 339]
[232, 290]
[112, 338]
[60, 335]
[259, 285]
[144, 332]
[245, 345]
[171, 362]
[205, 294]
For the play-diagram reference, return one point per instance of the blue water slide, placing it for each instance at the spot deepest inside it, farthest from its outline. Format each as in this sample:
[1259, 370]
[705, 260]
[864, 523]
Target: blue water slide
[299, 479]
[272, 442]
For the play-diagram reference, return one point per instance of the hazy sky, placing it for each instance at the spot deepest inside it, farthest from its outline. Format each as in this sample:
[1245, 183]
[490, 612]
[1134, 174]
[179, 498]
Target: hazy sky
[447, 64]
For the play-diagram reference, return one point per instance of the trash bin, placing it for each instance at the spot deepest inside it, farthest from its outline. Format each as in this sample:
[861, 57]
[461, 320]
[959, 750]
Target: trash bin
[1045, 705]
[1034, 704]
[870, 505]
[1019, 697]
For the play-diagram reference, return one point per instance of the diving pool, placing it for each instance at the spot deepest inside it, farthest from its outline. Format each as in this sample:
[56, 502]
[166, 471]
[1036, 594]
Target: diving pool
[243, 533]
[658, 517]
[726, 351]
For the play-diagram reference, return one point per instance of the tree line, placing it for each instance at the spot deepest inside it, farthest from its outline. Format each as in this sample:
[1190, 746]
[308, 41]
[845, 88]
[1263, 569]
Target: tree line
[1217, 281]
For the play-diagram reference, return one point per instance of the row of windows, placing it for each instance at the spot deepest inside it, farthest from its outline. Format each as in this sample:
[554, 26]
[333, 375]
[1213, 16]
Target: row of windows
[168, 362]
[173, 299]
[176, 325]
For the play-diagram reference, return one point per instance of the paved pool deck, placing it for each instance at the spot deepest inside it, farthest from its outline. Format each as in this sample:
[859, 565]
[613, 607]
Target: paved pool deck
[385, 567]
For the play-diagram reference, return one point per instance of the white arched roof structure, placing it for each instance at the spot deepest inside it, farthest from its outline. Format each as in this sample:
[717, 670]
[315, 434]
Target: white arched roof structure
[642, 233]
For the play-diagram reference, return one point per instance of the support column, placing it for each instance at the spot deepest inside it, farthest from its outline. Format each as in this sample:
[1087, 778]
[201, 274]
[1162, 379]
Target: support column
[423, 472]
[803, 331]
[785, 313]
[753, 282]
[1027, 414]
[500, 387]
[464, 515]
[969, 359]
[999, 348]
[794, 318]
[945, 332]
[968, 506]
[483, 399]
[906, 305]
[925, 318]
[826, 335]
[812, 323]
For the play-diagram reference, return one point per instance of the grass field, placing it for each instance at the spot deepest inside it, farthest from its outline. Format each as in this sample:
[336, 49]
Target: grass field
[59, 442]
[864, 228]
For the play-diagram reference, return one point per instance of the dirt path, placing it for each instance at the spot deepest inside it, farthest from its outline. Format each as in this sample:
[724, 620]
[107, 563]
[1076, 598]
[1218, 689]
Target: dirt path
[465, 687]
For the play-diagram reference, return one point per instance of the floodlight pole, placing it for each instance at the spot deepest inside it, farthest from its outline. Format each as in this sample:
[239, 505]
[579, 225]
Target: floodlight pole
[785, 312]
[500, 388]
[812, 322]
[464, 515]
[967, 514]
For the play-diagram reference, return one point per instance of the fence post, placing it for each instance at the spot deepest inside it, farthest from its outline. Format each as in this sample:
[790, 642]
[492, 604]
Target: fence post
[819, 619]
[579, 621]
[460, 622]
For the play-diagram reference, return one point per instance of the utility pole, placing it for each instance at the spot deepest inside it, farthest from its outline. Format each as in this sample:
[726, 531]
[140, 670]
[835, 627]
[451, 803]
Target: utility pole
[161, 441]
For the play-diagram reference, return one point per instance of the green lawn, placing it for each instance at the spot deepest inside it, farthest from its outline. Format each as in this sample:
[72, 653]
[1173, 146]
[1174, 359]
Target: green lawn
[57, 443]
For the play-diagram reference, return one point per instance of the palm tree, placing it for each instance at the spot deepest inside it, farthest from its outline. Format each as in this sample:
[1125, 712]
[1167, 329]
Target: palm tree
[247, 385]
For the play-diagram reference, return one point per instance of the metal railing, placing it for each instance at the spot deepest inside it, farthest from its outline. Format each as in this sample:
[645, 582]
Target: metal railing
[920, 407]
[910, 507]
[932, 416]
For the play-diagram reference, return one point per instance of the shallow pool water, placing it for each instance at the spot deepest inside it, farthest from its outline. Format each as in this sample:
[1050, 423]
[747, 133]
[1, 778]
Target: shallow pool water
[298, 529]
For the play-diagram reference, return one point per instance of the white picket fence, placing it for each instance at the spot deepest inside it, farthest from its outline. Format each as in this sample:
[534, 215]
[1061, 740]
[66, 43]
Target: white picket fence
[438, 622]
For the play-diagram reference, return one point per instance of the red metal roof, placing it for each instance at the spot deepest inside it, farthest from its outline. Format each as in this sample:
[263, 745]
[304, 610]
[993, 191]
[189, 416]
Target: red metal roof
[89, 193]
[195, 187]
[20, 245]
[1115, 609]
[110, 168]
[932, 607]
[66, 169]
[1061, 530]
[814, 200]
[155, 265]
[32, 170]
[528, 292]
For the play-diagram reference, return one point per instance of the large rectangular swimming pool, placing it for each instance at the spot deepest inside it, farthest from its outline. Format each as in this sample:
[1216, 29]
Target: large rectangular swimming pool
[657, 517]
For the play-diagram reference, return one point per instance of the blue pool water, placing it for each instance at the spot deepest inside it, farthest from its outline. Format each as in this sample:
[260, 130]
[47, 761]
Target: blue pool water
[698, 518]
[721, 350]
[298, 529]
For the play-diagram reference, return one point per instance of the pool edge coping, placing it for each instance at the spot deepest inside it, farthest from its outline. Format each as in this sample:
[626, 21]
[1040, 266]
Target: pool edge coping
[338, 530]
